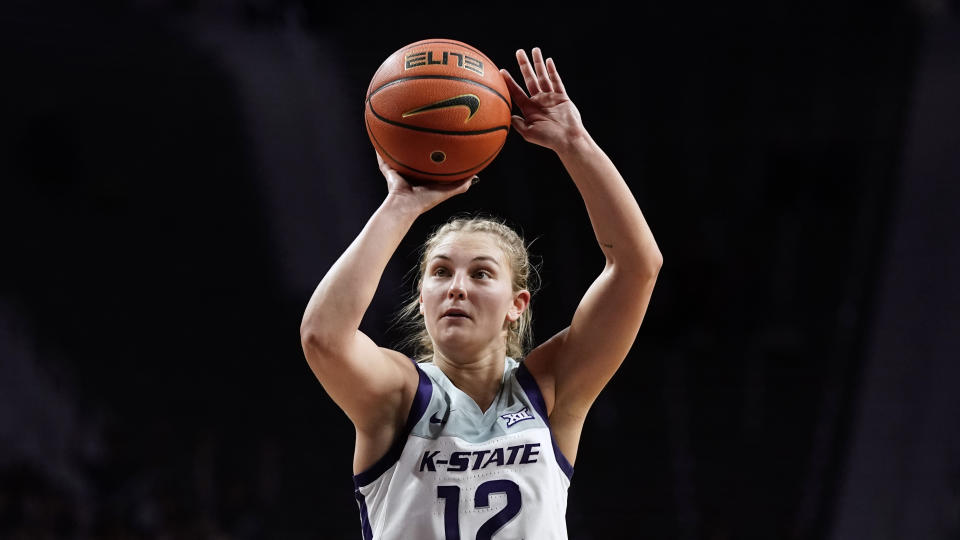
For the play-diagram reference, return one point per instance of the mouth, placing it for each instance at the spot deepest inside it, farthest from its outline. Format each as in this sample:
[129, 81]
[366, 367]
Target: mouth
[455, 313]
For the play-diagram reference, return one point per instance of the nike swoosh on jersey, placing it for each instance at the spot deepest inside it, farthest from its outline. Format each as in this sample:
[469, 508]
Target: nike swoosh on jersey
[470, 101]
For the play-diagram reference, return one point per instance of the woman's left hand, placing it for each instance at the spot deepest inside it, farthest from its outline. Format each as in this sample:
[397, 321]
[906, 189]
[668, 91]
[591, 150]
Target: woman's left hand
[550, 118]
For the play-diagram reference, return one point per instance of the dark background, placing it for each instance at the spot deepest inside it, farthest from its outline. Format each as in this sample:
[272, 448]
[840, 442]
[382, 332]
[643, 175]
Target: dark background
[177, 177]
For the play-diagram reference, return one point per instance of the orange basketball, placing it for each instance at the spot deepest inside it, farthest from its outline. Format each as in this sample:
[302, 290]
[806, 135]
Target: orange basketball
[438, 109]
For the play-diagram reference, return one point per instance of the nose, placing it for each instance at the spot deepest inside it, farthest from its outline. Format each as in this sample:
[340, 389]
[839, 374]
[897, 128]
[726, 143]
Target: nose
[457, 288]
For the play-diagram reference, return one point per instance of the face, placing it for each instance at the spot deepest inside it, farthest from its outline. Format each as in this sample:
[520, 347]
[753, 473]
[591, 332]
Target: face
[467, 298]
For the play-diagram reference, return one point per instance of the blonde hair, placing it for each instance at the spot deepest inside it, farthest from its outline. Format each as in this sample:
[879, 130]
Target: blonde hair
[524, 275]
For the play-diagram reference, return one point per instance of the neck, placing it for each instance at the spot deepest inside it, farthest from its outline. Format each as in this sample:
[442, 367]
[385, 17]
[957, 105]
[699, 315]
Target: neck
[479, 378]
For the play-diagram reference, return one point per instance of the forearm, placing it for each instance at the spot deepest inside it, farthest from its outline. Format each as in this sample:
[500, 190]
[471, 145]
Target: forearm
[339, 302]
[619, 225]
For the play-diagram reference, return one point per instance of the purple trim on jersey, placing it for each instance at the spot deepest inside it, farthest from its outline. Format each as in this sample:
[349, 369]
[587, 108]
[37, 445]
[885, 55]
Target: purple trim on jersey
[532, 390]
[419, 406]
[364, 517]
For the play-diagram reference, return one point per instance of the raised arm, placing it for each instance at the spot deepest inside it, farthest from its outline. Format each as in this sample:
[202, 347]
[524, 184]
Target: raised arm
[368, 382]
[575, 365]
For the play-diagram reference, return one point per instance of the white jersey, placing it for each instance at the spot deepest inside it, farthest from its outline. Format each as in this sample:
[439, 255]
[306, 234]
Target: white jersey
[457, 472]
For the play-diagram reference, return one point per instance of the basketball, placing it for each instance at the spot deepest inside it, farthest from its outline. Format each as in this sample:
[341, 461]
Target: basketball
[437, 109]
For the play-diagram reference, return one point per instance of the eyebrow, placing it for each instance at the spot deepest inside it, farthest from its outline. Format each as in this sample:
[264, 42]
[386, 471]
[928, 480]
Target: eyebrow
[477, 258]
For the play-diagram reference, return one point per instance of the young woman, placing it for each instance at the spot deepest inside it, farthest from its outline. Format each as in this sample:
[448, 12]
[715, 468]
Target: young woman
[477, 442]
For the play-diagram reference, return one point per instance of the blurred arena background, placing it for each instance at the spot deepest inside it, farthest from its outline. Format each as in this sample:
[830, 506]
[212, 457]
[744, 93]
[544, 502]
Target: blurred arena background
[177, 176]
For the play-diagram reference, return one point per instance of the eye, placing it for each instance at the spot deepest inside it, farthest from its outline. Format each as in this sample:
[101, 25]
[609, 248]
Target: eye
[439, 271]
[482, 274]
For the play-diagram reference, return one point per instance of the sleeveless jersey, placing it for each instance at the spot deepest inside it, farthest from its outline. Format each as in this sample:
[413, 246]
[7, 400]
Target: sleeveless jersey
[459, 473]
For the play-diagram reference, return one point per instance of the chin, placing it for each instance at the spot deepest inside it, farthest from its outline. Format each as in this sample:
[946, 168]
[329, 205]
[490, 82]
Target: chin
[454, 346]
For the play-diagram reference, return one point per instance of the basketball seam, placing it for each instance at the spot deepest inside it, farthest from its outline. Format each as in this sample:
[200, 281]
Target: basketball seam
[443, 77]
[432, 130]
[395, 160]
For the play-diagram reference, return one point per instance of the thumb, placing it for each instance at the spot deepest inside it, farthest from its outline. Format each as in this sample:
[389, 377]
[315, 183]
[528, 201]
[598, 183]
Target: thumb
[519, 124]
[466, 183]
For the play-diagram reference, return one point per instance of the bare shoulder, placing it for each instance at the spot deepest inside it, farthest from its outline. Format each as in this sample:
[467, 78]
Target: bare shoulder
[370, 384]
[383, 417]
[566, 422]
[407, 369]
[391, 407]
[541, 362]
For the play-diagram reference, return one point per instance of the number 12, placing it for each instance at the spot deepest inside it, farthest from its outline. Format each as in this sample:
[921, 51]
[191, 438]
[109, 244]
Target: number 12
[481, 499]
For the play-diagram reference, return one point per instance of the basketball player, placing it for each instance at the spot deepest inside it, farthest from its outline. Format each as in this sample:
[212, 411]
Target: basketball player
[477, 442]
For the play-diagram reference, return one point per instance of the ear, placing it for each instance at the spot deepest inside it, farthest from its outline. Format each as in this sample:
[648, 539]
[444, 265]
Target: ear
[520, 302]
[421, 304]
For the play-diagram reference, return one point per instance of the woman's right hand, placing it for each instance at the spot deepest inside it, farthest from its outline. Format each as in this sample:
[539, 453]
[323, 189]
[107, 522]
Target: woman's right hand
[422, 196]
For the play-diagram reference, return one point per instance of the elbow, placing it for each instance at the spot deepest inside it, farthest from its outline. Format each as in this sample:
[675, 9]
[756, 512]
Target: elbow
[308, 337]
[308, 332]
[315, 343]
[320, 352]
[311, 343]
[651, 261]
[644, 268]
[656, 262]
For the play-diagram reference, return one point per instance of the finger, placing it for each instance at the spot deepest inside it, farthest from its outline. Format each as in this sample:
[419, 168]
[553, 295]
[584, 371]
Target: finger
[382, 165]
[541, 70]
[529, 77]
[555, 77]
[461, 186]
[516, 93]
[519, 124]
[446, 186]
[450, 189]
